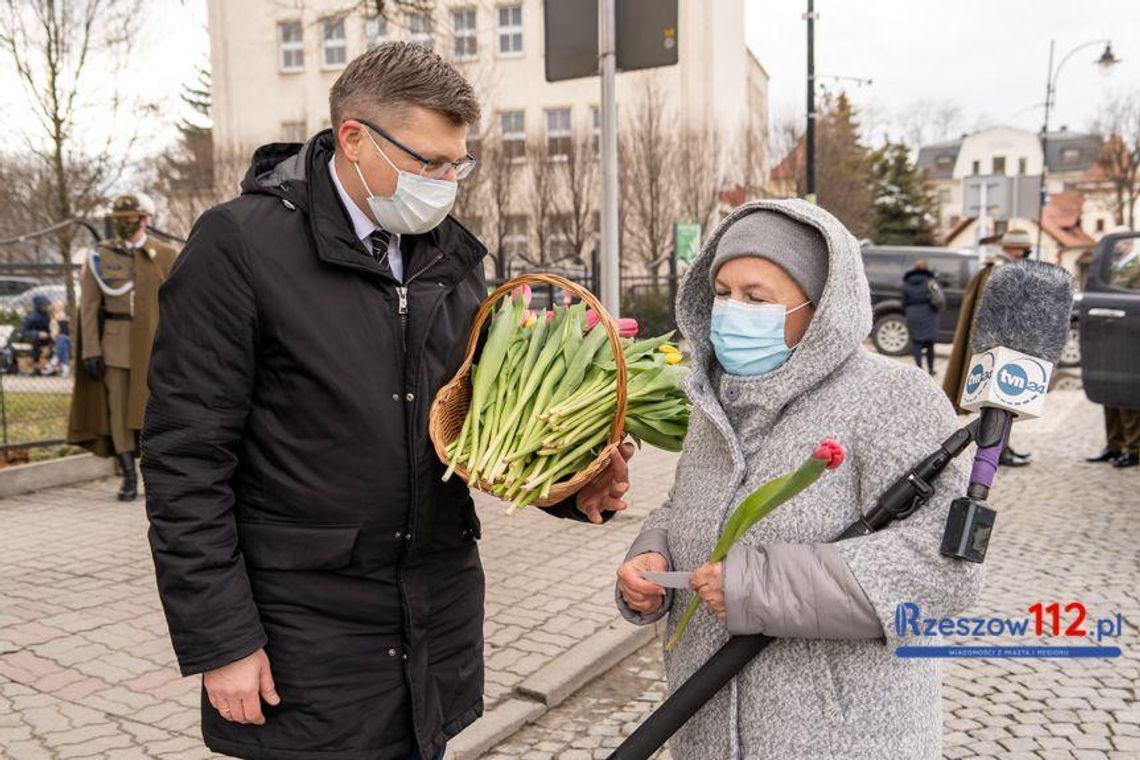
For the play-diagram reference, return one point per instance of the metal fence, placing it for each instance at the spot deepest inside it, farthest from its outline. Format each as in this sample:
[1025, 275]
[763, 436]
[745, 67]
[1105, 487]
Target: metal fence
[36, 372]
[35, 364]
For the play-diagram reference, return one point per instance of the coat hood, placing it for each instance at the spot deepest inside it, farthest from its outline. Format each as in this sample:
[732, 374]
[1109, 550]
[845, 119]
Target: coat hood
[918, 274]
[842, 318]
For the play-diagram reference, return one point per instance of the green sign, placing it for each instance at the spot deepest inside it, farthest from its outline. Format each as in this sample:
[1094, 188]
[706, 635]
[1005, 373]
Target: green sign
[686, 240]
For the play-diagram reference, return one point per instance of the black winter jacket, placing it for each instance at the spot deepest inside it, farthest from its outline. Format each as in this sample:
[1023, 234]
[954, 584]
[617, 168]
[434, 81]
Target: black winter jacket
[294, 497]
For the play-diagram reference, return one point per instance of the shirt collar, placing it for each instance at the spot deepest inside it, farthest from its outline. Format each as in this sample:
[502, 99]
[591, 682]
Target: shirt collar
[362, 224]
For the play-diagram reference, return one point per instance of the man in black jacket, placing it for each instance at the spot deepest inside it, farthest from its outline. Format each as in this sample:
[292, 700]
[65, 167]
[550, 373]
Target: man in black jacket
[311, 562]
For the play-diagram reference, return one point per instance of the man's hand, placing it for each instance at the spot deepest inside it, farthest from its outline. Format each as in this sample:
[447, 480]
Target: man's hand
[236, 689]
[708, 582]
[641, 595]
[94, 367]
[604, 493]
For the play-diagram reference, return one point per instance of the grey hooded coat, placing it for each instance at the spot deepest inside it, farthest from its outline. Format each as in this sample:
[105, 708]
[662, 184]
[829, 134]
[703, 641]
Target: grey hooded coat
[832, 687]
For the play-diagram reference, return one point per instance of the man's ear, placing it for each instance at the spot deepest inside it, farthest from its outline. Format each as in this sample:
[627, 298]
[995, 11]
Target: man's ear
[349, 136]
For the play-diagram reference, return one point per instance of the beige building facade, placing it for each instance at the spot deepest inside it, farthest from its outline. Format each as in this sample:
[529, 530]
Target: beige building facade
[273, 62]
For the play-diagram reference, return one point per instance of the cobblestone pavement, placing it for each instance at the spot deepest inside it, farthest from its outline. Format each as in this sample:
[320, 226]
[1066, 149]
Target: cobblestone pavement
[86, 668]
[1066, 531]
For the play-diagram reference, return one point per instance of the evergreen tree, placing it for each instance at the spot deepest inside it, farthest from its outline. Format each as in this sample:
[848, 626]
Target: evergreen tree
[905, 208]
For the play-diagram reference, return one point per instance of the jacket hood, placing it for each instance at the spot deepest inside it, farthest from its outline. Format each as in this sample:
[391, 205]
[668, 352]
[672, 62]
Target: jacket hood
[842, 318]
[40, 303]
[279, 168]
[923, 274]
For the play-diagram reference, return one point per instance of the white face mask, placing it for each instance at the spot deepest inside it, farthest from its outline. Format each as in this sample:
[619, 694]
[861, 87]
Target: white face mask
[419, 204]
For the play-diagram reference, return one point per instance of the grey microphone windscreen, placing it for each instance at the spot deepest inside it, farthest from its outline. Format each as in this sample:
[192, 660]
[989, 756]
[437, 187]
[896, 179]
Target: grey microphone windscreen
[1025, 306]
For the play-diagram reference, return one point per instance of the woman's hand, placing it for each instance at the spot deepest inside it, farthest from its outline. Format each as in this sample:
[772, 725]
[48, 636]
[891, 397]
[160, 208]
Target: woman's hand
[708, 582]
[641, 595]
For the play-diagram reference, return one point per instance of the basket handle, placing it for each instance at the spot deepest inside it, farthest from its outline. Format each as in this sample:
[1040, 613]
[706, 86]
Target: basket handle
[605, 321]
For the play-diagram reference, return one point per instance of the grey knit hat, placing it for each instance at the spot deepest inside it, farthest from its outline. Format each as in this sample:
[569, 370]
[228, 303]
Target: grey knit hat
[799, 249]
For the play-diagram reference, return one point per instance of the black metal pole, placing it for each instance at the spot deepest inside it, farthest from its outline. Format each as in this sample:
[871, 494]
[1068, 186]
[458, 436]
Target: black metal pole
[809, 138]
[1043, 196]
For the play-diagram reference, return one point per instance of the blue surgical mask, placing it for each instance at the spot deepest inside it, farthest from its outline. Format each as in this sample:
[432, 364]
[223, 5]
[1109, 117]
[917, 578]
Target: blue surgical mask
[749, 338]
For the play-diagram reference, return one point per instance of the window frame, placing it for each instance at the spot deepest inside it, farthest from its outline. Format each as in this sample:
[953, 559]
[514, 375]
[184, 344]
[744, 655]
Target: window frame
[513, 137]
[299, 125]
[374, 40]
[467, 34]
[565, 134]
[296, 46]
[511, 31]
[337, 43]
[426, 34]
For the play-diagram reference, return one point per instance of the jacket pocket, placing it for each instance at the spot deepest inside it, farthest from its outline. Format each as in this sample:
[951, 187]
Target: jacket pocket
[288, 546]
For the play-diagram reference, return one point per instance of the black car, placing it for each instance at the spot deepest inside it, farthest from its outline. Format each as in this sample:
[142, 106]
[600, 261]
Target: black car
[1110, 323]
[885, 266]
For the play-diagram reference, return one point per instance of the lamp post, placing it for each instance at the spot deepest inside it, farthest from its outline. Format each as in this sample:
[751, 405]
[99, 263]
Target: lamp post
[1106, 61]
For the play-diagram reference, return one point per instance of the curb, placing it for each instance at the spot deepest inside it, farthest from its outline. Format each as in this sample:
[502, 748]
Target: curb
[66, 471]
[551, 685]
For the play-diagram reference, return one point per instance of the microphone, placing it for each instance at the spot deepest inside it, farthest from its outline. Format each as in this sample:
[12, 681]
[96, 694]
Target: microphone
[1018, 334]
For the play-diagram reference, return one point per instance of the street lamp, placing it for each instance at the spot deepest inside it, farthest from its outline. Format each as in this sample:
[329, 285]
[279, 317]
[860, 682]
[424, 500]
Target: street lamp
[1106, 61]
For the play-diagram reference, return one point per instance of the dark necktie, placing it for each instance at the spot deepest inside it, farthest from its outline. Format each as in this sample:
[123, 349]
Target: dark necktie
[379, 240]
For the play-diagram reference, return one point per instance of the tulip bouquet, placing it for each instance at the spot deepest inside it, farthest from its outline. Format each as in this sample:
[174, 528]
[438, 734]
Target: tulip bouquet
[758, 504]
[543, 398]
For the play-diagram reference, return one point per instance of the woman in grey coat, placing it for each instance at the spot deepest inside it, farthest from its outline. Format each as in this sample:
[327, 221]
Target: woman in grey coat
[776, 309]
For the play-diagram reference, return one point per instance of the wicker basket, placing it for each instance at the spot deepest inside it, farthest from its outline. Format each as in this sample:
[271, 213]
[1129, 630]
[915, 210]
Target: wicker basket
[449, 409]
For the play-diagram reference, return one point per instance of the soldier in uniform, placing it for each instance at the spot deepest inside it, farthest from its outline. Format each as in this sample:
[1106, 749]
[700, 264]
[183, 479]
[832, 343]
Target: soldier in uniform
[118, 315]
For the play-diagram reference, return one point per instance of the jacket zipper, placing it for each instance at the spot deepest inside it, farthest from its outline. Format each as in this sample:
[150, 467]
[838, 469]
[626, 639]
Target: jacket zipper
[402, 294]
[402, 313]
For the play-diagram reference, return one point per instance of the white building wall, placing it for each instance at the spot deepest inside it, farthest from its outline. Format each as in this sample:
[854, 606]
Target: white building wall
[714, 83]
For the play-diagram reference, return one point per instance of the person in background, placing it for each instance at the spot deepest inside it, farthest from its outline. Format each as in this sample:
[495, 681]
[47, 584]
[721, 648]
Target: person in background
[919, 298]
[61, 329]
[118, 315]
[1122, 425]
[1015, 245]
[37, 331]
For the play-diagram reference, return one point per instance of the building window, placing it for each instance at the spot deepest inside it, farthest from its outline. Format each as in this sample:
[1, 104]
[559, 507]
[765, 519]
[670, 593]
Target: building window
[944, 195]
[463, 29]
[419, 29]
[1100, 225]
[333, 44]
[475, 139]
[976, 168]
[293, 131]
[512, 125]
[1070, 155]
[516, 235]
[292, 45]
[561, 247]
[596, 131]
[944, 163]
[1022, 166]
[954, 219]
[375, 31]
[510, 30]
[999, 165]
[558, 134]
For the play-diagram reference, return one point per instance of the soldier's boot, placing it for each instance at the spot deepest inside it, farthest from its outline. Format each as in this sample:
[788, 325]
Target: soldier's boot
[130, 488]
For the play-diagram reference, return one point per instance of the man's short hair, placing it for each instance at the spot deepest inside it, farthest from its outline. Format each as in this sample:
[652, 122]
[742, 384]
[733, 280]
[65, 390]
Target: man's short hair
[396, 75]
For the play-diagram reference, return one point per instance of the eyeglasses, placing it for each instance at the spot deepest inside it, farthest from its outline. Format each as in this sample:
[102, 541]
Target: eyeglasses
[432, 169]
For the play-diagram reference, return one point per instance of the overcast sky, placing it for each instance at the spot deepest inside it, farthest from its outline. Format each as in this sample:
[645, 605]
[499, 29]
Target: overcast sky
[990, 57]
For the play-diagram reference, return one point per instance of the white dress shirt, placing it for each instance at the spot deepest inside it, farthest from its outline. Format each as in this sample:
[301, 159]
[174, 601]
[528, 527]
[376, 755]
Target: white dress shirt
[363, 226]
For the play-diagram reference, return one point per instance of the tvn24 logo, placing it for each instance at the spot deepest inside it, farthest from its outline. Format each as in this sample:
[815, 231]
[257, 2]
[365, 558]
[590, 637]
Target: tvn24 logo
[1020, 380]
